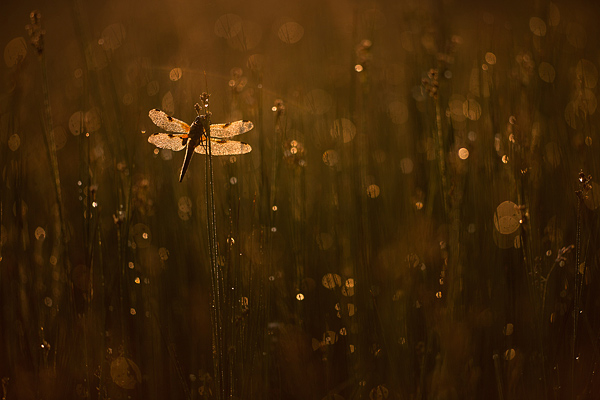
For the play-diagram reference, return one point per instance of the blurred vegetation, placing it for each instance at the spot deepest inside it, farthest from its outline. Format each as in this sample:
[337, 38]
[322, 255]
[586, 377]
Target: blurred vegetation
[418, 218]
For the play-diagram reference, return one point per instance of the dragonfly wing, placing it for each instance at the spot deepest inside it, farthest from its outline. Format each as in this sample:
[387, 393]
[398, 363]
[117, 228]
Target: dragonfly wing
[221, 147]
[165, 121]
[171, 141]
[230, 129]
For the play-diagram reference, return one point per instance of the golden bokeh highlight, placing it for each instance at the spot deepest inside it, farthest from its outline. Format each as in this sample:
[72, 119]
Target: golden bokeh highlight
[228, 26]
[247, 38]
[93, 120]
[373, 191]
[472, 109]
[40, 233]
[112, 37]
[546, 72]
[553, 15]
[124, 372]
[331, 158]
[152, 88]
[343, 128]
[324, 240]
[507, 218]
[406, 165]
[184, 208]
[331, 281]
[379, 392]
[537, 26]
[15, 51]
[60, 137]
[509, 354]
[14, 142]
[290, 32]
[76, 123]
[398, 111]
[456, 106]
[168, 103]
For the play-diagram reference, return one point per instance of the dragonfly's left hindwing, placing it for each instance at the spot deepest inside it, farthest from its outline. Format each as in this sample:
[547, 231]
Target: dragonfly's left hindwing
[171, 141]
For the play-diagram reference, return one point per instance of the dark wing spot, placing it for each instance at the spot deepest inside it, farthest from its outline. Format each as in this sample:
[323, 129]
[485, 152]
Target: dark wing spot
[226, 125]
[170, 135]
[245, 120]
[221, 141]
[156, 109]
[170, 118]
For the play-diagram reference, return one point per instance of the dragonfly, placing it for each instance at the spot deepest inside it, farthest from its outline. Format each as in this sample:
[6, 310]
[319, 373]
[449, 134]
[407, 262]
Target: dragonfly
[194, 137]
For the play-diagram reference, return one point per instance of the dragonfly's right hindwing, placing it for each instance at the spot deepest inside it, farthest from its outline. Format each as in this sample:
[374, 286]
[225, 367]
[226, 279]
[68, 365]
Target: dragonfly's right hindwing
[222, 147]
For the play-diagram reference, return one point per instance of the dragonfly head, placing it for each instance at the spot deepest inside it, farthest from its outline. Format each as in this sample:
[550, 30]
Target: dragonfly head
[200, 119]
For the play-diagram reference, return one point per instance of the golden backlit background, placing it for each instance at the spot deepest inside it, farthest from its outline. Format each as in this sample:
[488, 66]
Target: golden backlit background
[418, 218]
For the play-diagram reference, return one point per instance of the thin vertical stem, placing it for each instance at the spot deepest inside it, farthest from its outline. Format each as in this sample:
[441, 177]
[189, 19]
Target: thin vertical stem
[217, 333]
[498, 372]
[576, 295]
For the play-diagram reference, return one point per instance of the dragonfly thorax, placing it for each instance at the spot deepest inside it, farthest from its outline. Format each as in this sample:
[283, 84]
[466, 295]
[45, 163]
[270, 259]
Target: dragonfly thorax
[197, 131]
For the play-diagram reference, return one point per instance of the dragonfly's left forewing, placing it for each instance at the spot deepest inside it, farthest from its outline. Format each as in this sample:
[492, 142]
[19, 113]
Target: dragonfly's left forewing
[165, 121]
[230, 129]
[169, 141]
[221, 147]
